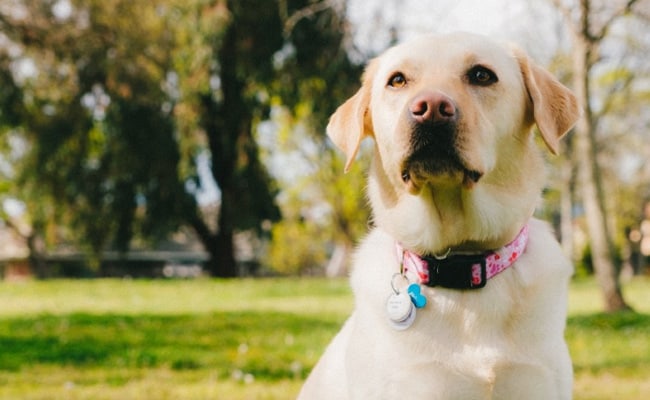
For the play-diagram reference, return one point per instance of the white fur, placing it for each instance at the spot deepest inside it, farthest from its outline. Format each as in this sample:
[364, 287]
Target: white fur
[504, 341]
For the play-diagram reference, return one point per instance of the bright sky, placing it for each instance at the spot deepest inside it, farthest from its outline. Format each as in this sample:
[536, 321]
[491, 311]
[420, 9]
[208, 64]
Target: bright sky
[531, 24]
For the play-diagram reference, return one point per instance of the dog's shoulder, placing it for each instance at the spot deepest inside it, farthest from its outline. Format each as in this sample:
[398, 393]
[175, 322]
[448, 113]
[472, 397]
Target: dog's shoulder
[375, 262]
[543, 259]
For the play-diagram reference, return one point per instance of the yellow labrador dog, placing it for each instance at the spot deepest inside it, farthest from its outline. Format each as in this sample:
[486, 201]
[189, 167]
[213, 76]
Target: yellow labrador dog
[459, 292]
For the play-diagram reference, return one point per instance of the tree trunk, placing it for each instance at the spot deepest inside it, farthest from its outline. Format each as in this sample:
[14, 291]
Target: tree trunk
[338, 263]
[36, 256]
[602, 248]
[219, 246]
[223, 262]
[566, 202]
[224, 121]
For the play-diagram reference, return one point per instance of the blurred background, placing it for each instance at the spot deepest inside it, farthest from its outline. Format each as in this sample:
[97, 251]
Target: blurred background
[186, 137]
[171, 140]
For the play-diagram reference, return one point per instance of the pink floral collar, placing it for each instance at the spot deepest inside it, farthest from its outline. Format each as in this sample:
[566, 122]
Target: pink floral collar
[462, 271]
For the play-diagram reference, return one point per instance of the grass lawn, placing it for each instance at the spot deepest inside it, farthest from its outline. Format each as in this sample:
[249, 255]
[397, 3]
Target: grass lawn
[243, 339]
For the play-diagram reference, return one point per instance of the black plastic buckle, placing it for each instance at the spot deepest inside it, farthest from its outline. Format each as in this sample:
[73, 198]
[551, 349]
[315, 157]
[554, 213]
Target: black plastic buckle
[456, 272]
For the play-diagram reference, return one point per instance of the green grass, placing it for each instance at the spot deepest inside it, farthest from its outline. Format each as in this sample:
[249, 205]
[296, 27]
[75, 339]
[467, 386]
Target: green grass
[243, 339]
[611, 353]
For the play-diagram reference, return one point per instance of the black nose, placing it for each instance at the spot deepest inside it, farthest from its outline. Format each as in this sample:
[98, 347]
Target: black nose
[433, 107]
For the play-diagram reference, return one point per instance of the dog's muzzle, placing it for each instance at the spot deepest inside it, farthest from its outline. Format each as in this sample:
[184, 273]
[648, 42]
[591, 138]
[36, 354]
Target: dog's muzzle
[433, 148]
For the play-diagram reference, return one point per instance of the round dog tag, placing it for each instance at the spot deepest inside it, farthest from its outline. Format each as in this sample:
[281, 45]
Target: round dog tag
[400, 310]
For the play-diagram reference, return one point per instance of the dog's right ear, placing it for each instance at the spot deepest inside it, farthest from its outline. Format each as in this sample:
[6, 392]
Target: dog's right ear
[350, 123]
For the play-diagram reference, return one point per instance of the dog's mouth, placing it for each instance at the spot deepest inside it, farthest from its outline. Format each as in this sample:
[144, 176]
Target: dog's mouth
[415, 176]
[434, 155]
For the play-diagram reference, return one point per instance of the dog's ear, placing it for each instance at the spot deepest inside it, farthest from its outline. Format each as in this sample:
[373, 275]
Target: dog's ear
[555, 108]
[350, 123]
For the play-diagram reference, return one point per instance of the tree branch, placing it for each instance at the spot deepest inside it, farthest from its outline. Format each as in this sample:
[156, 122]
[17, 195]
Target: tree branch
[202, 230]
[624, 9]
[306, 12]
[566, 13]
[583, 27]
[610, 99]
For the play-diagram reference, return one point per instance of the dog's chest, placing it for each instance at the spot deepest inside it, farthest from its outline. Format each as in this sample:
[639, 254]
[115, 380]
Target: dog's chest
[454, 355]
[480, 344]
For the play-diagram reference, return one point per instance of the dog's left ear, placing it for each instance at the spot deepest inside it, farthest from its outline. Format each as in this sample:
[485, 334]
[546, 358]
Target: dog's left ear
[350, 123]
[555, 108]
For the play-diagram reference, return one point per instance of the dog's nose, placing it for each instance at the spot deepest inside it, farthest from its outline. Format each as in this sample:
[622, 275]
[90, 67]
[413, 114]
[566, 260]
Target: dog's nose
[433, 107]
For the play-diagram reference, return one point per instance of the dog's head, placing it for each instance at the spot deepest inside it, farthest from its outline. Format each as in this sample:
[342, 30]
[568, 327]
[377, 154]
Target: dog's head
[452, 114]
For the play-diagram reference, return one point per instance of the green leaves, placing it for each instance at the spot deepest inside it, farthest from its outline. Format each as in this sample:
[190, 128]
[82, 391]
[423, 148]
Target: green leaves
[126, 95]
[101, 142]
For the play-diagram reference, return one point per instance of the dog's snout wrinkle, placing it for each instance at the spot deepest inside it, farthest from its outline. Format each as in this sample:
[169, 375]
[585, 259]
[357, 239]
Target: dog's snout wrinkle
[433, 107]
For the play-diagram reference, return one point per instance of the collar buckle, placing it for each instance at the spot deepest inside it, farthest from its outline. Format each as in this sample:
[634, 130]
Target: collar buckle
[458, 271]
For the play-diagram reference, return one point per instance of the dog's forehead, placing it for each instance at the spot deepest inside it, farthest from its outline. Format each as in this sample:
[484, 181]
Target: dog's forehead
[450, 52]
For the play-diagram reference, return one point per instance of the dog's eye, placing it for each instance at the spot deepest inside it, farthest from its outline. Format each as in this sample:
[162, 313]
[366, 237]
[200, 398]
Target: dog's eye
[481, 76]
[397, 80]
